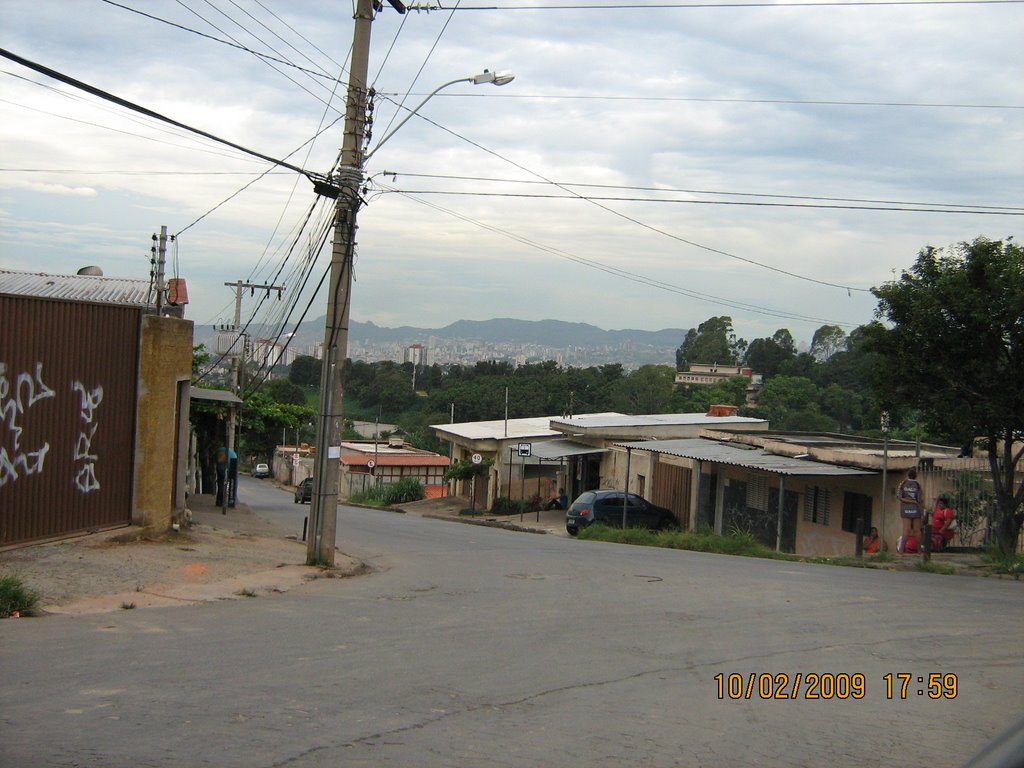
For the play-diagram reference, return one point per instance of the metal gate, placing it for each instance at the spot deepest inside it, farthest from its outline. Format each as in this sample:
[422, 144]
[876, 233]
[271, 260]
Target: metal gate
[671, 489]
[68, 373]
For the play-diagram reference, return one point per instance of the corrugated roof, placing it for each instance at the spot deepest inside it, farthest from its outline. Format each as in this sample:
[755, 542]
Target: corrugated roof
[499, 429]
[98, 289]
[218, 395]
[361, 459]
[743, 456]
[608, 420]
[557, 449]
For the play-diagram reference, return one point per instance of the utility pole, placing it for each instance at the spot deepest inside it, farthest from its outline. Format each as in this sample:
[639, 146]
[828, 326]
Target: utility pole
[323, 513]
[159, 259]
[237, 361]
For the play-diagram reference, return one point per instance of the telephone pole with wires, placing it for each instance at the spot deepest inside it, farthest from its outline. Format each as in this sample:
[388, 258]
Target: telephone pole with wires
[345, 188]
[237, 353]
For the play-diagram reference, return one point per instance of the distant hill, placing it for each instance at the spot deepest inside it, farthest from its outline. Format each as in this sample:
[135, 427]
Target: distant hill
[551, 333]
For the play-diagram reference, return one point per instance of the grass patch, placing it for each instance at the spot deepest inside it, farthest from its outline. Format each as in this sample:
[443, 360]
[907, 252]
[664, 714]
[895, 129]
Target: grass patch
[930, 566]
[402, 492]
[127, 606]
[15, 597]
[1010, 564]
[246, 592]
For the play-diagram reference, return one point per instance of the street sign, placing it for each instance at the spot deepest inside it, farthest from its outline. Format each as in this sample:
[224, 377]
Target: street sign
[525, 449]
[371, 464]
[477, 458]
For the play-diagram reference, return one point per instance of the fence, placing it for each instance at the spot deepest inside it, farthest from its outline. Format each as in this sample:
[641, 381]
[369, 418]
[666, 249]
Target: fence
[968, 483]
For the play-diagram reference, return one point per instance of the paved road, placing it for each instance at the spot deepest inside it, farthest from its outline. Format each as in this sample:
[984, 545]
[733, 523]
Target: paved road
[474, 646]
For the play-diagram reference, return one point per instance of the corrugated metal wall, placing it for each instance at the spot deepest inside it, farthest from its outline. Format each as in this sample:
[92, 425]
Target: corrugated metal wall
[68, 395]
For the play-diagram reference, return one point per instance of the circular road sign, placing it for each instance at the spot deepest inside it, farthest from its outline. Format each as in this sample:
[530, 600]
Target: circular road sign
[477, 458]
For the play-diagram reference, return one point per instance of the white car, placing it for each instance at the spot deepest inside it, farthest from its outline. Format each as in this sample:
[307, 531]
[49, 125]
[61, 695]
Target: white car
[261, 470]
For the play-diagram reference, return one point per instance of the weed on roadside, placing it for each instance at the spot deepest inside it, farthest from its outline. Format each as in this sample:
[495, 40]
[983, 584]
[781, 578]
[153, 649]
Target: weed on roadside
[127, 606]
[930, 566]
[16, 598]
[246, 592]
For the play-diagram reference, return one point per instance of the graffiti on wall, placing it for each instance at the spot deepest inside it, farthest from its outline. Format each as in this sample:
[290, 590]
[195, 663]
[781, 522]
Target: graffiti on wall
[17, 397]
[85, 459]
[19, 392]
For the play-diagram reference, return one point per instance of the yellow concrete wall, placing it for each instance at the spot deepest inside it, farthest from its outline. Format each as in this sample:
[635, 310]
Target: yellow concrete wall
[165, 359]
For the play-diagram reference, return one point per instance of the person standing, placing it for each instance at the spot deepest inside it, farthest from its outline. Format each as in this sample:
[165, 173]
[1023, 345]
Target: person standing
[909, 493]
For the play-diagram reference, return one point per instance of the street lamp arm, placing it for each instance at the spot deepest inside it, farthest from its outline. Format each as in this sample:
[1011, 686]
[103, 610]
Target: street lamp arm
[497, 78]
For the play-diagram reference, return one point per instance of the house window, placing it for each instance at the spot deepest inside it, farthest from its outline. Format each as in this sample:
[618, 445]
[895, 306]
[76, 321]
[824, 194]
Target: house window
[816, 505]
[757, 492]
[856, 505]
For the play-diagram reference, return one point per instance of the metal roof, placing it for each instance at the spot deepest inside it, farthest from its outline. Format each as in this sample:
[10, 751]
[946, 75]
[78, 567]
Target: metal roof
[500, 429]
[557, 449]
[743, 456]
[610, 420]
[98, 289]
[219, 395]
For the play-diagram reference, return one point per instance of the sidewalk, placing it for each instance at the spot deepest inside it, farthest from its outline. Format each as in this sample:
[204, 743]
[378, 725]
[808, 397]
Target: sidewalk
[219, 557]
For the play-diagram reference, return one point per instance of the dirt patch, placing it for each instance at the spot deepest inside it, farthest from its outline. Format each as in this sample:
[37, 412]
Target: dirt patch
[115, 570]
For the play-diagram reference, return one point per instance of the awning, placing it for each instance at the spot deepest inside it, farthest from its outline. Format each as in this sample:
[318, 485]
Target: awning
[218, 395]
[703, 449]
[560, 449]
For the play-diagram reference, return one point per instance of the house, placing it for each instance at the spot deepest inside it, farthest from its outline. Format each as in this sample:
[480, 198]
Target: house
[704, 374]
[368, 463]
[807, 493]
[534, 457]
[94, 401]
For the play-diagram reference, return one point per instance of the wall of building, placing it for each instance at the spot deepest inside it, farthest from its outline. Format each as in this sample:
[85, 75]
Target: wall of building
[67, 416]
[165, 362]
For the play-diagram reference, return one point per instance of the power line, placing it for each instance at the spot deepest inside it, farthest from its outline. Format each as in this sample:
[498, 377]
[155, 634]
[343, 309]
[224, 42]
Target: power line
[631, 276]
[644, 225]
[713, 100]
[761, 204]
[68, 80]
[590, 185]
[663, 6]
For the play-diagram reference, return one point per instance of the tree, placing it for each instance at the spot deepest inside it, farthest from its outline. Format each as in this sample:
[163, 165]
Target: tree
[283, 391]
[826, 341]
[713, 342]
[955, 352]
[766, 356]
[305, 371]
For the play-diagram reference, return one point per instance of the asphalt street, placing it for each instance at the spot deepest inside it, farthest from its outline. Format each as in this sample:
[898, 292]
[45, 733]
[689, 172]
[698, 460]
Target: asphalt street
[473, 646]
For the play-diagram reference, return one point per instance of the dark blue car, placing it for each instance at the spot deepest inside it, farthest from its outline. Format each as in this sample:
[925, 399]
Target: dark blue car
[606, 507]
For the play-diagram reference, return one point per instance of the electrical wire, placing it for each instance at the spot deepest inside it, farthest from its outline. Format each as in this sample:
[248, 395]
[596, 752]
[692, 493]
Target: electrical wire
[589, 185]
[593, 198]
[631, 276]
[68, 80]
[644, 225]
[662, 6]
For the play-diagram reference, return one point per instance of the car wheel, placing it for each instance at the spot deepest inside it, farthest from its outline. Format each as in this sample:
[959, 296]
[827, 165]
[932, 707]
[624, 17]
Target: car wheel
[572, 530]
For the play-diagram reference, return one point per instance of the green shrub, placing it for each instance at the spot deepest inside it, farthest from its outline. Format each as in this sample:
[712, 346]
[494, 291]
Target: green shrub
[405, 490]
[15, 596]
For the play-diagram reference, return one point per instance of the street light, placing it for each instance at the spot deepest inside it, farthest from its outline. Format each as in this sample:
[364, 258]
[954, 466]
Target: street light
[496, 78]
[345, 187]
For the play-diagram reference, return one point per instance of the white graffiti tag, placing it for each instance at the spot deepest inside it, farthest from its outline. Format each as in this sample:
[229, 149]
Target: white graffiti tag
[15, 402]
[86, 480]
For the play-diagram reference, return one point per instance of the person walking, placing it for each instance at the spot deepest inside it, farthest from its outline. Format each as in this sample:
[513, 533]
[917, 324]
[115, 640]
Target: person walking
[909, 493]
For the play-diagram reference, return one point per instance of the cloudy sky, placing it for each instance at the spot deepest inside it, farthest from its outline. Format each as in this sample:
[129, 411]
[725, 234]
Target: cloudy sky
[649, 167]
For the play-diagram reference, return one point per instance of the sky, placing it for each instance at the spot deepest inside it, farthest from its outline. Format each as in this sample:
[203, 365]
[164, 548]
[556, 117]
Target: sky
[717, 160]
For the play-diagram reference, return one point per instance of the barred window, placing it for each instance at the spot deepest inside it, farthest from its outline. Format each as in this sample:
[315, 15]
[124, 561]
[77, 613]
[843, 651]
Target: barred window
[816, 505]
[757, 492]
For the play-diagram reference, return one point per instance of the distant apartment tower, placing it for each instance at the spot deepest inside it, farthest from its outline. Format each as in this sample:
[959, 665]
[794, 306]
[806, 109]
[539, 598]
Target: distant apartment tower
[415, 354]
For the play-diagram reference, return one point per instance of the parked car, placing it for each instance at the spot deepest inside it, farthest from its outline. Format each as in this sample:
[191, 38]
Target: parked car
[605, 507]
[261, 470]
[304, 491]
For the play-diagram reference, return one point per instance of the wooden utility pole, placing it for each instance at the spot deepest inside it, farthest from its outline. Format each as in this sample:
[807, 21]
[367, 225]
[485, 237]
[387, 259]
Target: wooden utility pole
[323, 514]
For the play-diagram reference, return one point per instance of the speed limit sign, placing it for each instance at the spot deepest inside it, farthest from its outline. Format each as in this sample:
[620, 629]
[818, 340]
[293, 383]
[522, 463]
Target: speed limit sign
[477, 458]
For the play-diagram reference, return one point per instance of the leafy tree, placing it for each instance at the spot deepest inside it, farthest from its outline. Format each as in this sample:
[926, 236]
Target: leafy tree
[200, 357]
[283, 391]
[766, 356]
[826, 341]
[713, 342]
[305, 371]
[646, 390]
[955, 352]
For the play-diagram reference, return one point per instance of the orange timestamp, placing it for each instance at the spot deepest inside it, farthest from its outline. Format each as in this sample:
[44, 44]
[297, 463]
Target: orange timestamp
[831, 685]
